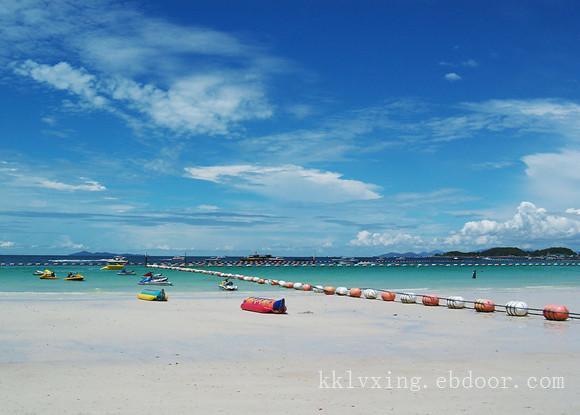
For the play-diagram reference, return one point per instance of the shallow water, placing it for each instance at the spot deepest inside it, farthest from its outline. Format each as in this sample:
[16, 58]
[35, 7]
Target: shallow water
[20, 279]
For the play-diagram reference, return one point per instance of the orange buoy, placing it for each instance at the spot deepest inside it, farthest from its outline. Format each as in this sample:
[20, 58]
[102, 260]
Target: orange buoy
[483, 305]
[329, 290]
[556, 312]
[388, 296]
[354, 292]
[289, 285]
[307, 287]
[430, 300]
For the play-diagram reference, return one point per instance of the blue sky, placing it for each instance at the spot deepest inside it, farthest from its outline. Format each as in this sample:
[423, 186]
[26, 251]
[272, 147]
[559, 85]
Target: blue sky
[291, 128]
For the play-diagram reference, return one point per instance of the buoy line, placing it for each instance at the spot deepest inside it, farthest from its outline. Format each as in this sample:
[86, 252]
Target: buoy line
[554, 312]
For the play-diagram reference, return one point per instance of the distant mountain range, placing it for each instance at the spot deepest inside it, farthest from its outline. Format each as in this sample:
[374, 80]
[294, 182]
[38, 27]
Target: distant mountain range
[517, 252]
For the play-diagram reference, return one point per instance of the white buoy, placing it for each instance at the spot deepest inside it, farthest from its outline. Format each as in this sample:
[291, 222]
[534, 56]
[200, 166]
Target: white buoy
[370, 294]
[455, 302]
[255, 279]
[281, 283]
[318, 289]
[408, 298]
[297, 285]
[516, 308]
[341, 291]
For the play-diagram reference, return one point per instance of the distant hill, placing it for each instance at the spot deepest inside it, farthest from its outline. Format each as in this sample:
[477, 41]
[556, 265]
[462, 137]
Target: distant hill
[517, 252]
[410, 254]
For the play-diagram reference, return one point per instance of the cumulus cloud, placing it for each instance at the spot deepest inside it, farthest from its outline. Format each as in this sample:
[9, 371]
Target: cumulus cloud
[573, 211]
[530, 224]
[389, 238]
[289, 182]
[452, 77]
[6, 244]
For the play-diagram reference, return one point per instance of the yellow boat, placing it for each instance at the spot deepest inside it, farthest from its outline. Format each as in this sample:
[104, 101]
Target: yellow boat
[115, 264]
[74, 277]
[48, 275]
[113, 267]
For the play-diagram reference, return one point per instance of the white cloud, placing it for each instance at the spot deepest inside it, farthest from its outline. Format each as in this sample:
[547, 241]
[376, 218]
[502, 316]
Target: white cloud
[289, 182]
[529, 225]
[7, 244]
[18, 177]
[389, 238]
[470, 63]
[573, 211]
[554, 177]
[549, 116]
[63, 77]
[452, 77]
[208, 208]
[149, 72]
[66, 242]
[87, 186]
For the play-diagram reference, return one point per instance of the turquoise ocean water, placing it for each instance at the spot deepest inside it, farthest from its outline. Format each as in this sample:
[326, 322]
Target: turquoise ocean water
[419, 279]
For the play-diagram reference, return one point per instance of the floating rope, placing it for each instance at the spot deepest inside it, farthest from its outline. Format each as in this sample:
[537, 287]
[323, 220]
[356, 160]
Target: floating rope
[511, 308]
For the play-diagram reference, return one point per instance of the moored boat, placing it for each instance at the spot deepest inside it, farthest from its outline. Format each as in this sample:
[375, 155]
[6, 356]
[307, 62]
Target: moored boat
[117, 263]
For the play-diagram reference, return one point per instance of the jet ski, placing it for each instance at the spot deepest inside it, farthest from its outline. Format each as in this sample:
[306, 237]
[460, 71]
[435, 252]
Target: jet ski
[48, 275]
[154, 279]
[38, 272]
[227, 285]
[74, 277]
[126, 272]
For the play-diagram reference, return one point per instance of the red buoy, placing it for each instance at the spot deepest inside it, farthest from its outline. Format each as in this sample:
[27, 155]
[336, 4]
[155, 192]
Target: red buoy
[354, 292]
[483, 305]
[430, 300]
[274, 282]
[329, 290]
[388, 296]
[289, 285]
[556, 312]
[307, 287]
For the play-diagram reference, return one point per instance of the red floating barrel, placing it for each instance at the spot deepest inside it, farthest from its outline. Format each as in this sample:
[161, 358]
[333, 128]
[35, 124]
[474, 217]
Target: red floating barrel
[556, 312]
[483, 305]
[430, 300]
[388, 296]
[264, 305]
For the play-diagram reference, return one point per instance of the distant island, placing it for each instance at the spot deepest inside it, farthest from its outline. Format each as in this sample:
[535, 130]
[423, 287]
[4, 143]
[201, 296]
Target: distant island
[514, 252]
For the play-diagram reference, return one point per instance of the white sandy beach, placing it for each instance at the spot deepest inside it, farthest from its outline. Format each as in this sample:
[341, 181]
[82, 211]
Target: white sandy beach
[91, 354]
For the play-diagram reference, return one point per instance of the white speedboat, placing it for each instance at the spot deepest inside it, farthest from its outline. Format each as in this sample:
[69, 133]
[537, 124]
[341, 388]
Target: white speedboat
[228, 286]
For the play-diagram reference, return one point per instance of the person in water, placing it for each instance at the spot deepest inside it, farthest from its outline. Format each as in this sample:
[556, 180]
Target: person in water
[474, 275]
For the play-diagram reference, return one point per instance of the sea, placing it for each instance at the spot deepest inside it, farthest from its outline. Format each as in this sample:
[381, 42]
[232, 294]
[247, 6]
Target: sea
[419, 277]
